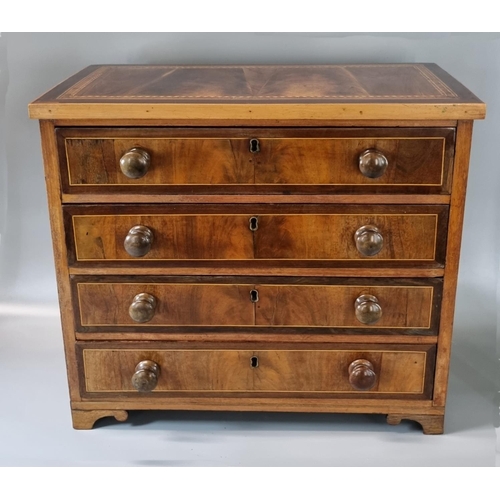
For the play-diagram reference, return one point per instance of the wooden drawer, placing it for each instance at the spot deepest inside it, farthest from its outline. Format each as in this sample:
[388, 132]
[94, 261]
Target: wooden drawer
[270, 235]
[259, 305]
[403, 371]
[283, 161]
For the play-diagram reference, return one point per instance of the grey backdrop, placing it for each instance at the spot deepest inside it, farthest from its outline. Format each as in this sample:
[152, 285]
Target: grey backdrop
[32, 63]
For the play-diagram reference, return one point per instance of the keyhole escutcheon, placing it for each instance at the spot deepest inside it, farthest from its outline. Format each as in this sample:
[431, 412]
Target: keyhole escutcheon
[253, 223]
[254, 145]
[254, 296]
[254, 361]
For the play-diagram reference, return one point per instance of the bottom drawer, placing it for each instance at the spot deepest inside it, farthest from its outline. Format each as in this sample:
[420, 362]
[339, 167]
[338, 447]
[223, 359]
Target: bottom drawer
[162, 369]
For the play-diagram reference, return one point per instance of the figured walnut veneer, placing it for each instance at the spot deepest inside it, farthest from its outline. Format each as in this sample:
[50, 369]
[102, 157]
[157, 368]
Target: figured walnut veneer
[258, 238]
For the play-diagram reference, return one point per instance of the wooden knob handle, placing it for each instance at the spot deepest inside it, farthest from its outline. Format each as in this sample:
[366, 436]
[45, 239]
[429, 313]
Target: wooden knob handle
[146, 375]
[138, 241]
[372, 163]
[135, 163]
[369, 240]
[368, 310]
[142, 308]
[362, 375]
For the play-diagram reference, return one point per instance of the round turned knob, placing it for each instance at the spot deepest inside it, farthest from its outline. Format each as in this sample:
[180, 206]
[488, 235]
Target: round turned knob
[145, 378]
[367, 309]
[135, 163]
[372, 163]
[368, 240]
[142, 308]
[361, 375]
[138, 241]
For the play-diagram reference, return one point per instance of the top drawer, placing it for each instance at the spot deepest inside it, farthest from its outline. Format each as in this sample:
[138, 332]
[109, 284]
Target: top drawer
[256, 161]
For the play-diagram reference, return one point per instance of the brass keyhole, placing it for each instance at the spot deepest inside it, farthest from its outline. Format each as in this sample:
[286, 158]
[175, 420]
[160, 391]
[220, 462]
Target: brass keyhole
[254, 361]
[254, 145]
[253, 223]
[254, 296]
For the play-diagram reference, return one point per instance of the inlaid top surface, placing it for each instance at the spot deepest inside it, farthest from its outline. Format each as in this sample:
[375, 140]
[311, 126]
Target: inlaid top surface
[238, 91]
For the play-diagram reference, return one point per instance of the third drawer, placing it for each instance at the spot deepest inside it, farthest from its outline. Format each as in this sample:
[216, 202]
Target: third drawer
[257, 305]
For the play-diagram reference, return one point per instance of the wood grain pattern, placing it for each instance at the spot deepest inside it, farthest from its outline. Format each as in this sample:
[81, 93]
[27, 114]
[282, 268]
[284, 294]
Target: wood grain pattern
[401, 81]
[419, 160]
[229, 370]
[349, 199]
[175, 237]
[215, 121]
[457, 207]
[85, 419]
[312, 237]
[248, 114]
[177, 304]
[431, 424]
[174, 161]
[333, 306]
[312, 335]
[198, 189]
[411, 308]
[277, 404]
[214, 233]
[415, 91]
[53, 183]
[131, 268]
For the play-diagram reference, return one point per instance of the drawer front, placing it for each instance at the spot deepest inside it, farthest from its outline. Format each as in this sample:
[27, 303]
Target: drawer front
[170, 161]
[124, 304]
[399, 371]
[274, 235]
[173, 304]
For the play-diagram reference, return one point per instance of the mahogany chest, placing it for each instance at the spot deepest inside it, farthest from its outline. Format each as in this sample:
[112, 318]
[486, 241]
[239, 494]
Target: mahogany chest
[257, 238]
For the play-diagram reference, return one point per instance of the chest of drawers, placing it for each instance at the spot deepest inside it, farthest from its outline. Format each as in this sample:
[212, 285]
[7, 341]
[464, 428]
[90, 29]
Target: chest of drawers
[257, 238]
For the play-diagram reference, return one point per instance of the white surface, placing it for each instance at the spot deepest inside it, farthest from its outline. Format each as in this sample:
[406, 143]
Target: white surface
[35, 424]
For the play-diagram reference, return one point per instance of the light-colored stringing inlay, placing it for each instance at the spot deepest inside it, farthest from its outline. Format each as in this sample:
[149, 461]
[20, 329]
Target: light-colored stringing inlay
[261, 286]
[77, 91]
[372, 182]
[254, 353]
[139, 259]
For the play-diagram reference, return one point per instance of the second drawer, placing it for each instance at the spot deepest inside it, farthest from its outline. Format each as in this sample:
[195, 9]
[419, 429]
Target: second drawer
[124, 304]
[262, 235]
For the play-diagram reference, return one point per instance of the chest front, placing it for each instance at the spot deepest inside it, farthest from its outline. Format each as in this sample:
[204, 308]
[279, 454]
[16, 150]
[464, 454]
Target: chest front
[257, 238]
